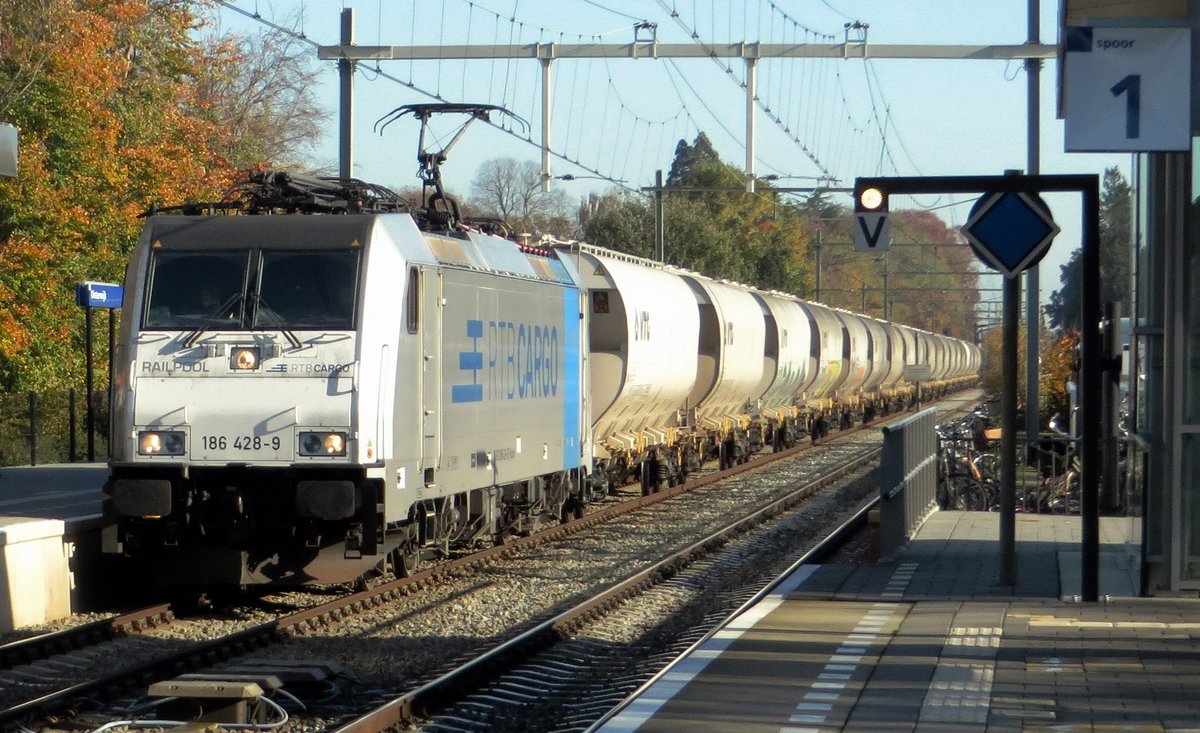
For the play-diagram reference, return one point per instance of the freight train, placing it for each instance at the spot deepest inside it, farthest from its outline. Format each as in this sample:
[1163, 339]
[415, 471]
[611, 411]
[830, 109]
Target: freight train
[312, 381]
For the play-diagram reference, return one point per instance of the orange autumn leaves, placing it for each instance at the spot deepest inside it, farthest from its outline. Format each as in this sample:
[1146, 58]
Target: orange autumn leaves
[109, 124]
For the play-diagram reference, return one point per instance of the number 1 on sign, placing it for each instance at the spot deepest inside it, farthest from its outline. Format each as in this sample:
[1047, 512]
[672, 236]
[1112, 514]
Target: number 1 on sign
[1131, 87]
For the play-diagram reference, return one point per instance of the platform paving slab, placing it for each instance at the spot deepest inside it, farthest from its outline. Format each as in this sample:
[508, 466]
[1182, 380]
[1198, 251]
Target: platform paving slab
[946, 647]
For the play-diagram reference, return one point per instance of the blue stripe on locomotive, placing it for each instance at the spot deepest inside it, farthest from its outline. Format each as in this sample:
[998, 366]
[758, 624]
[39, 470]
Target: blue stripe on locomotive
[570, 393]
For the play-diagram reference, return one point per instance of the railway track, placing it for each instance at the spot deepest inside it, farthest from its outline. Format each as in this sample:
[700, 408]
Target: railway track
[44, 646]
[311, 623]
[568, 671]
[509, 675]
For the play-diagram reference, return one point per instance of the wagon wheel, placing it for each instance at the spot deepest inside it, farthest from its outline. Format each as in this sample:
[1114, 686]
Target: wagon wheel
[405, 559]
[572, 510]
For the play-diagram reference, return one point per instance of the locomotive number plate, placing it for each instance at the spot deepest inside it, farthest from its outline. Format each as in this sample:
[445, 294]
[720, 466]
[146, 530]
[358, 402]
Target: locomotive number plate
[241, 447]
[240, 442]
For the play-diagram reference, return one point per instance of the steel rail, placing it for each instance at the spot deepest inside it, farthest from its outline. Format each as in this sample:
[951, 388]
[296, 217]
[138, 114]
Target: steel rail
[465, 679]
[207, 653]
[35, 648]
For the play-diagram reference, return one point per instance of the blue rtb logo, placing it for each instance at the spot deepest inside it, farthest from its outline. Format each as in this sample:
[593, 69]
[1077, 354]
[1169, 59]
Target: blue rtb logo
[470, 361]
[522, 362]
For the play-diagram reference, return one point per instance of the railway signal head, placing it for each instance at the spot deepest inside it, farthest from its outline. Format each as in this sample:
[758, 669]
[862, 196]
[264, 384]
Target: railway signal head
[872, 230]
[869, 198]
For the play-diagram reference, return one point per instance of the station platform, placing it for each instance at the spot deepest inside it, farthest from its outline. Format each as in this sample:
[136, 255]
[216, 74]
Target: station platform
[50, 523]
[66, 491]
[928, 640]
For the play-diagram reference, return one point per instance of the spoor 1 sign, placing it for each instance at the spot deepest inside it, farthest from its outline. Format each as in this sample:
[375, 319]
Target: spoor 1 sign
[1127, 89]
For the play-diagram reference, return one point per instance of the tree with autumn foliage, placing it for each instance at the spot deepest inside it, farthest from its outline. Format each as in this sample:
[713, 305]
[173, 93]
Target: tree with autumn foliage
[1059, 365]
[112, 120]
[932, 282]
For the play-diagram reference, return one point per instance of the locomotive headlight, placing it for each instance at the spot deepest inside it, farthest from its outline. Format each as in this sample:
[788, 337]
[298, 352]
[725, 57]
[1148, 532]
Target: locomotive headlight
[160, 443]
[322, 444]
[335, 444]
[245, 359]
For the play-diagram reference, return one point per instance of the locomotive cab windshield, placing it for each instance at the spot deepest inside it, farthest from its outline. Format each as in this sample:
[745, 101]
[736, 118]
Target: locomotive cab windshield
[252, 290]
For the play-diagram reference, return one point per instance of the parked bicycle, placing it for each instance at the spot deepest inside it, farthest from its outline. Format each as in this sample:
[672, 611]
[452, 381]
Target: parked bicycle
[1058, 488]
[967, 469]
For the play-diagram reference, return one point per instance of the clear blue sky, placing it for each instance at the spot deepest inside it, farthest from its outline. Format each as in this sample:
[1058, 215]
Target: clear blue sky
[624, 117]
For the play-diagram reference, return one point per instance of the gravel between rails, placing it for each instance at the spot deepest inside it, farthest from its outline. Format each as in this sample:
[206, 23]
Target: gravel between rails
[390, 649]
[395, 646]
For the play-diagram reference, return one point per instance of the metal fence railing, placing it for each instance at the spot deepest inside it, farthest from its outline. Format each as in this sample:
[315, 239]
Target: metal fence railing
[907, 477]
[51, 427]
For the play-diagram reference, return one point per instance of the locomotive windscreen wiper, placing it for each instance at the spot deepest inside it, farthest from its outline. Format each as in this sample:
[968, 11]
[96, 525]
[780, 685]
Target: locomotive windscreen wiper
[218, 315]
[261, 308]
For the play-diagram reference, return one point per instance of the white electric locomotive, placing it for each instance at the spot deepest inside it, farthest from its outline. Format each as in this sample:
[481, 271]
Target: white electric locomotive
[299, 396]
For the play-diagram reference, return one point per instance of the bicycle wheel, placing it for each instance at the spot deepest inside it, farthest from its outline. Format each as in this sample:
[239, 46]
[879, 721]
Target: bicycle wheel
[988, 465]
[968, 495]
[1064, 494]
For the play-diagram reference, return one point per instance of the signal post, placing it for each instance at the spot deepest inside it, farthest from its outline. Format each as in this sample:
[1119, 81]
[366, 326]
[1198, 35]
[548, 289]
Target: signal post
[1009, 229]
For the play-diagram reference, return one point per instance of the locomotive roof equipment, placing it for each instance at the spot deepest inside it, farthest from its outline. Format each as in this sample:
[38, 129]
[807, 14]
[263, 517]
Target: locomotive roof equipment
[441, 210]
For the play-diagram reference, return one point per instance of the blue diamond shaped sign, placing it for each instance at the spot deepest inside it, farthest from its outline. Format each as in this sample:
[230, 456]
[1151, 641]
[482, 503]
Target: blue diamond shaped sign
[1010, 231]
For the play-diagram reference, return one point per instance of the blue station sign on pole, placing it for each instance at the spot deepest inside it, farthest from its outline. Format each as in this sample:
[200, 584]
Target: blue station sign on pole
[98, 295]
[91, 295]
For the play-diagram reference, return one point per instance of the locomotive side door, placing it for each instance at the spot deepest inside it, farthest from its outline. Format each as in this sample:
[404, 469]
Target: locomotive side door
[431, 359]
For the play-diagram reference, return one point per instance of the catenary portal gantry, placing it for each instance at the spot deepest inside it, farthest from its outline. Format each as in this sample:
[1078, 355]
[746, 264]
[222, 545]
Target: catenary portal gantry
[546, 53]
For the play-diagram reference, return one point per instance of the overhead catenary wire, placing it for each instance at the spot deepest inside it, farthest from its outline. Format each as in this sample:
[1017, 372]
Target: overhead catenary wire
[571, 136]
[691, 31]
[410, 84]
[798, 98]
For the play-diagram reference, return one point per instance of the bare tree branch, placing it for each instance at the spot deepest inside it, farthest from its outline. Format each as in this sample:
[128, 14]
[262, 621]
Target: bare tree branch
[512, 190]
[268, 102]
[30, 33]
